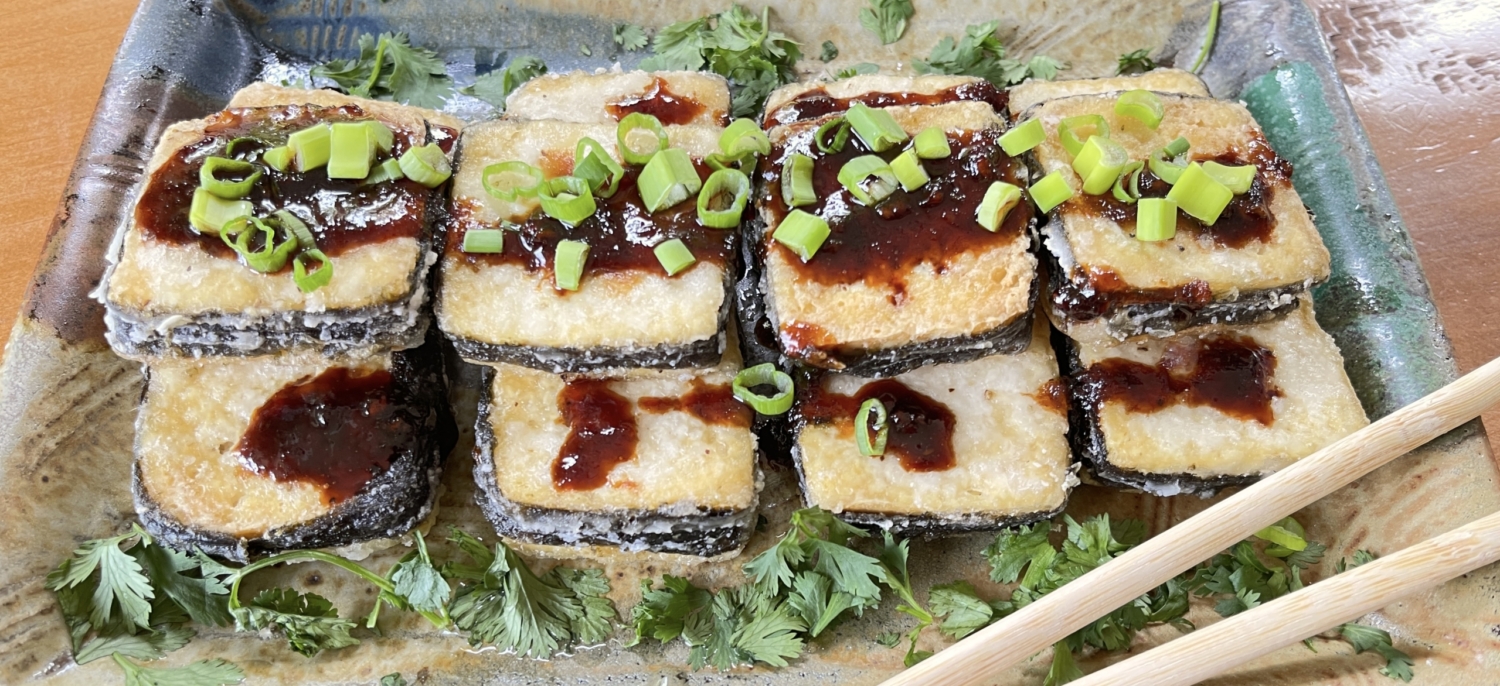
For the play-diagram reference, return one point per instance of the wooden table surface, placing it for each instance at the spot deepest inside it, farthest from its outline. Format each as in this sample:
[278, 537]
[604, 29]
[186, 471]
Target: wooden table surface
[1424, 77]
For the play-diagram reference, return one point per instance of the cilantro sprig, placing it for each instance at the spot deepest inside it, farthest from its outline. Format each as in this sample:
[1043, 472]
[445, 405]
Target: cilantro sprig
[886, 19]
[735, 44]
[391, 68]
[980, 53]
[1135, 62]
[494, 86]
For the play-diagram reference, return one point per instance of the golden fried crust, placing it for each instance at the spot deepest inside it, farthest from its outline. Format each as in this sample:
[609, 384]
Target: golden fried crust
[1175, 81]
[582, 97]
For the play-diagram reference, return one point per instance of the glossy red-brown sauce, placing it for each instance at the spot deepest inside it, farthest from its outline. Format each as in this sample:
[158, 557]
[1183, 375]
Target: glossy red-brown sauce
[601, 434]
[660, 102]
[1110, 291]
[710, 403]
[1230, 373]
[817, 102]
[341, 213]
[879, 245]
[336, 431]
[920, 428]
[1052, 395]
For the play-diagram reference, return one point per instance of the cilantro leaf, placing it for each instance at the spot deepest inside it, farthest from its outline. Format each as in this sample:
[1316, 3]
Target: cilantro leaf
[663, 613]
[630, 36]
[1135, 62]
[512, 608]
[204, 673]
[1013, 549]
[851, 571]
[1368, 638]
[1361, 557]
[735, 44]
[150, 645]
[498, 84]
[959, 605]
[418, 583]
[980, 53]
[391, 68]
[393, 679]
[591, 623]
[120, 581]
[1063, 668]
[830, 51]
[309, 621]
[857, 69]
[815, 601]
[204, 598]
[886, 19]
[772, 569]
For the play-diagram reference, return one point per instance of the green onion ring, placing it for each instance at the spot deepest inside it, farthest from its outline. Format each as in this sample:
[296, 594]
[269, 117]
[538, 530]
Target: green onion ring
[296, 227]
[718, 183]
[1129, 194]
[569, 200]
[535, 181]
[309, 281]
[1141, 105]
[764, 374]
[426, 165]
[871, 446]
[238, 233]
[642, 121]
[744, 136]
[209, 179]
[797, 181]
[868, 178]
[1070, 128]
[840, 129]
[592, 163]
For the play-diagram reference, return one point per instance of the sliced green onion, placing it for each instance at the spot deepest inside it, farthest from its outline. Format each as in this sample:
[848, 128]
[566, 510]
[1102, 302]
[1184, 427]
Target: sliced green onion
[871, 445]
[309, 281]
[1131, 175]
[271, 257]
[1099, 162]
[720, 160]
[932, 144]
[667, 179]
[639, 121]
[1199, 195]
[1023, 136]
[208, 177]
[351, 151]
[797, 181]
[1236, 178]
[674, 256]
[868, 178]
[764, 375]
[1142, 105]
[1051, 191]
[380, 135]
[1073, 131]
[569, 200]
[426, 165]
[802, 233]
[724, 181]
[591, 163]
[296, 227]
[209, 213]
[908, 170]
[517, 180]
[742, 136]
[311, 146]
[242, 140]
[1155, 219]
[484, 241]
[389, 170]
[567, 264]
[1167, 163]
[876, 127]
[999, 199]
[1178, 146]
[278, 158]
[832, 135]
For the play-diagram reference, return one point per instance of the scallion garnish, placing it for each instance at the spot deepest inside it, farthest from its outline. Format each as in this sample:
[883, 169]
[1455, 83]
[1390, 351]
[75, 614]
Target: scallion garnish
[1127, 188]
[309, 281]
[310, 147]
[1236, 178]
[999, 199]
[516, 180]
[568, 199]
[1142, 105]
[744, 136]
[712, 211]
[871, 444]
[797, 181]
[591, 163]
[296, 227]
[876, 127]
[209, 213]
[484, 241]
[1051, 191]
[868, 178]
[667, 179]
[240, 233]
[380, 135]
[278, 158]
[1073, 131]
[1023, 136]
[389, 170]
[1167, 163]
[351, 152]
[674, 256]
[908, 170]
[567, 264]
[208, 177]
[721, 160]
[1199, 195]
[931, 144]
[802, 233]
[1155, 219]
[764, 375]
[832, 135]
[426, 165]
[1099, 162]
[639, 122]
[246, 141]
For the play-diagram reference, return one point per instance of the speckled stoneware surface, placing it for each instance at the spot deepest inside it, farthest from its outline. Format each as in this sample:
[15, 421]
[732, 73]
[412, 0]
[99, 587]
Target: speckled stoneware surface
[69, 404]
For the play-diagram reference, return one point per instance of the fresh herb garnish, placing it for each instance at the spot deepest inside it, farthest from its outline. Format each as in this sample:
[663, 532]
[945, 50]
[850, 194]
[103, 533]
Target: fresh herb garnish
[393, 679]
[202, 673]
[630, 36]
[857, 69]
[391, 69]
[735, 44]
[829, 52]
[980, 53]
[1208, 38]
[886, 19]
[1135, 62]
[493, 87]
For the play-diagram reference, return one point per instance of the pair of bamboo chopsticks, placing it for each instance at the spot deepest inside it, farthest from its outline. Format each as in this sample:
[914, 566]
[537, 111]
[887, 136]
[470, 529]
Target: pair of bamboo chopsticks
[1291, 618]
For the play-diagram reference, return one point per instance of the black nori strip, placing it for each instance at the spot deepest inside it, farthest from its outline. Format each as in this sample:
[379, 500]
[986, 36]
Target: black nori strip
[758, 346]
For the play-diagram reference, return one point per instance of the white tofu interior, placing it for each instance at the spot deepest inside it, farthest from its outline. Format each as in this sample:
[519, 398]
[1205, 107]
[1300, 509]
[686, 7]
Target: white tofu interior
[864, 84]
[584, 97]
[1034, 91]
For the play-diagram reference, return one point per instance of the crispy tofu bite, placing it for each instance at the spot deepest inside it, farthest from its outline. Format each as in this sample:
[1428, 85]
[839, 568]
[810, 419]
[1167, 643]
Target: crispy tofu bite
[673, 97]
[1210, 407]
[1034, 91]
[293, 219]
[894, 238]
[973, 446]
[796, 102]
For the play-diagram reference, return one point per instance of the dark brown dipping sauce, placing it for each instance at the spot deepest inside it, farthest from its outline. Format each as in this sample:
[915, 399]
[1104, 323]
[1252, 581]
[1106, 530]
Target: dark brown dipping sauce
[879, 245]
[658, 102]
[341, 213]
[336, 431]
[1229, 373]
[1053, 395]
[620, 234]
[601, 434]
[921, 429]
[1110, 292]
[710, 403]
[817, 102]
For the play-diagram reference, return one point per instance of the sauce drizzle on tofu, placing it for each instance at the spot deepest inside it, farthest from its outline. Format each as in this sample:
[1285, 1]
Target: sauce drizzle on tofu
[602, 433]
[659, 102]
[1230, 373]
[711, 403]
[921, 428]
[817, 102]
[337, 431]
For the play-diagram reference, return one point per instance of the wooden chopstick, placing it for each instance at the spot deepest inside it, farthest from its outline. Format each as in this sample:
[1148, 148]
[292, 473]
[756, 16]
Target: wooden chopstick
[1051, 618]
[1291, 618]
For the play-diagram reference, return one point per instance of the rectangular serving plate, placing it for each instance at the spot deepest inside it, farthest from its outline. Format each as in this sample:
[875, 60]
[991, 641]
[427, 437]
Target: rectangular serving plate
[70, 403]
